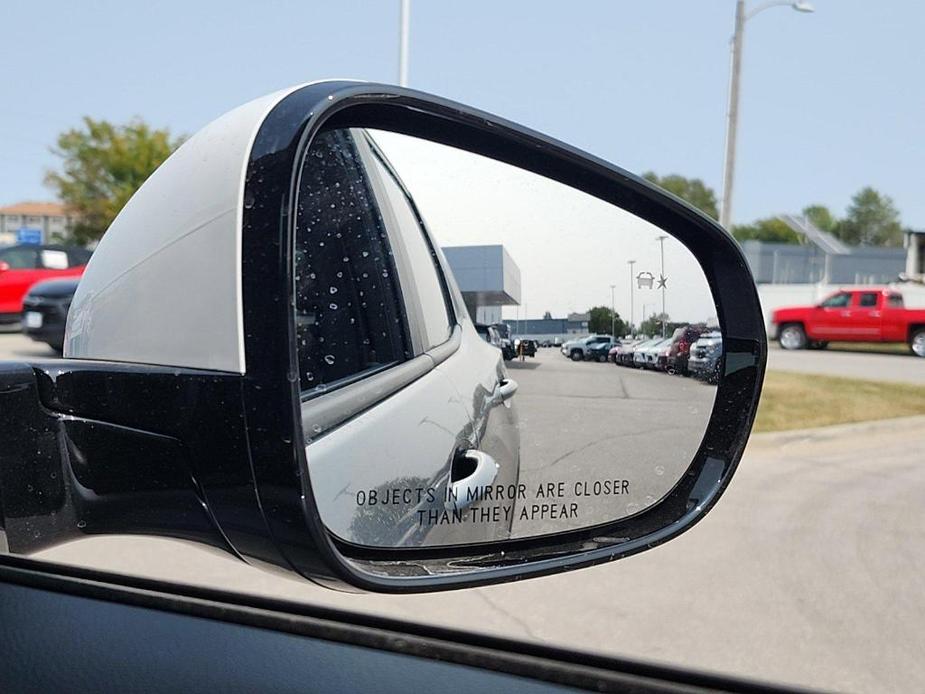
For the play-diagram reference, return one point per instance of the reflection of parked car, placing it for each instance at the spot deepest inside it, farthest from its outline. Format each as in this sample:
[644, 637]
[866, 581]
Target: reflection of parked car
[681, 342]
[641, 350]
[600, 350]
[526, 346]
[625, 356]
[705, 356]
[620, 348]
[45, 310]
[23, 265]
[652, 353]
[577, 350]
[489, 333]
[507, 344]
[660, 355]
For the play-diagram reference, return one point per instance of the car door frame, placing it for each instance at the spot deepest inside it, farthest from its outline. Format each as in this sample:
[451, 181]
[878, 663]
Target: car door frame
[147, 617]
[829, 321]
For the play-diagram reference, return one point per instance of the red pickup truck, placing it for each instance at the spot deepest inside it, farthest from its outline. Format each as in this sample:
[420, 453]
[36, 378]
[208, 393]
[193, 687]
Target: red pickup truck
[870, 314]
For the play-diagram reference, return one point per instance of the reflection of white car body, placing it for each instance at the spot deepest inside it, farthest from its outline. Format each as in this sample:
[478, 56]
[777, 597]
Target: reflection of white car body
[646, 353]
[577, 350]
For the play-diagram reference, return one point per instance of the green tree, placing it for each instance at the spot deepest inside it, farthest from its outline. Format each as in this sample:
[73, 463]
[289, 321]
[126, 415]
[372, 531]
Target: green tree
[600, 321]
[103, 165]
[872, 220]
[652, 325]
[820, 216]
[769, 230]
[691, 190]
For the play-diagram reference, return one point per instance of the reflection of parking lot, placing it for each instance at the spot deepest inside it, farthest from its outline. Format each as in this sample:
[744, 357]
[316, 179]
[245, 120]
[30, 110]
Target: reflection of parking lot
[591, 422]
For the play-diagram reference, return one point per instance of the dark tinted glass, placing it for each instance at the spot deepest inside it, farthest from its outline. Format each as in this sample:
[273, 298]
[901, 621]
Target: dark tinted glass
[348, 303]
[837, 301]
[19, 258]
[895, 301]
[868, 300]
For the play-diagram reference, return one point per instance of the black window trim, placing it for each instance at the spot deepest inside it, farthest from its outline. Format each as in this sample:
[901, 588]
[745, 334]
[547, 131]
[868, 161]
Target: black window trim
[411, 302]
[318, 393]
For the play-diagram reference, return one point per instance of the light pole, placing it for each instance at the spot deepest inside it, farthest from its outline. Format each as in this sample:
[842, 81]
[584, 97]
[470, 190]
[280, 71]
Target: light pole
[404, 23]
[662, 281]
[732, 114]
[613, 311]
[632, 303]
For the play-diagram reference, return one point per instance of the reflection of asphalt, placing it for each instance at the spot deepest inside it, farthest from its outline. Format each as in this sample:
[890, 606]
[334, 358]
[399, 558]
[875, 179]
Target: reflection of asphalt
[590, 422]
[528, 363]
[899, 368]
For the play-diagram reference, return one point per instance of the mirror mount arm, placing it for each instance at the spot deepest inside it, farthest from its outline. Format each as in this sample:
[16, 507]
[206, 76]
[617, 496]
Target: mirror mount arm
[63, 476]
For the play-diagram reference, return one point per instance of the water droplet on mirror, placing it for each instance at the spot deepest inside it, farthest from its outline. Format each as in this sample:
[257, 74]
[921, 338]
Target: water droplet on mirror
[659, 470]
[332, 290]
[329, 359]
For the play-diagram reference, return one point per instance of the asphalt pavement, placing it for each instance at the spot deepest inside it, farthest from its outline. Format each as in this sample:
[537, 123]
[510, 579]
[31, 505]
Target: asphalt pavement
[897, 368]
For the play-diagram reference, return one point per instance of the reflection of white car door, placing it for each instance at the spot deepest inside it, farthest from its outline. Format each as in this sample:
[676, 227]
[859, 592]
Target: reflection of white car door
[385, 426]
[476, 371]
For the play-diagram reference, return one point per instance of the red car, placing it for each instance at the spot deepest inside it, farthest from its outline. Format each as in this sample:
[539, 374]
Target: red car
[870, 314]
[23, 265]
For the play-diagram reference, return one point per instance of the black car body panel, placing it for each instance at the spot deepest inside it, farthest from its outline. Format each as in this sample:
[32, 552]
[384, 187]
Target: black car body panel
[50, 300]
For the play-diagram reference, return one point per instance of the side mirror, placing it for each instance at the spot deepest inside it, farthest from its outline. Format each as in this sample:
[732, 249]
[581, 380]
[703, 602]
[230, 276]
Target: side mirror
[320, 399]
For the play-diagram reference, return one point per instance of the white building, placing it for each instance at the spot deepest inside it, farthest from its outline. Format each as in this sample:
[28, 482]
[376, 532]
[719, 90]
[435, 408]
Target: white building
[29, 219]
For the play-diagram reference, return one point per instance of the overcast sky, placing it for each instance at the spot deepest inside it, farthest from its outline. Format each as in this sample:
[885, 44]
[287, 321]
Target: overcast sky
[831, 101]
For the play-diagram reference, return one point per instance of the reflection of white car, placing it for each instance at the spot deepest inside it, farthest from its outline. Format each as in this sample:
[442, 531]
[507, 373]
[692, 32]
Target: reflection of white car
[645, 354]
[578, 350]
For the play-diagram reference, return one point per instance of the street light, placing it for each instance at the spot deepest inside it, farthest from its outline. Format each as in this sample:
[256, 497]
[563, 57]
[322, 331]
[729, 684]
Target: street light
[613, 311]
[404, 22]
[662, 279]
[632, 303]
[732, 114]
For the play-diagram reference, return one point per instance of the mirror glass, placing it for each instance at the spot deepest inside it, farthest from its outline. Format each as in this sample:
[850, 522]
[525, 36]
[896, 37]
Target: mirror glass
[487, 354]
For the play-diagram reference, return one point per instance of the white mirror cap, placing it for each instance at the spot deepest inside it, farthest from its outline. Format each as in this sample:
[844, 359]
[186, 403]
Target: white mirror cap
[164, 284]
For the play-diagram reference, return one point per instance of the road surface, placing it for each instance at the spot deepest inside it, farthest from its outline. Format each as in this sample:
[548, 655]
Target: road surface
[898, 368]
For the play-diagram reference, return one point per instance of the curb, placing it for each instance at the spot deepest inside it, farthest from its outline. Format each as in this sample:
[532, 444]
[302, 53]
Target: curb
[835, 431]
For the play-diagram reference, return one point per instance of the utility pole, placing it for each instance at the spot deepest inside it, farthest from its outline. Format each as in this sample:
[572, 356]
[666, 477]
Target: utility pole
[662, 279]
[632, 303]
[732, 112]
[405, 22]
[613, 311]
